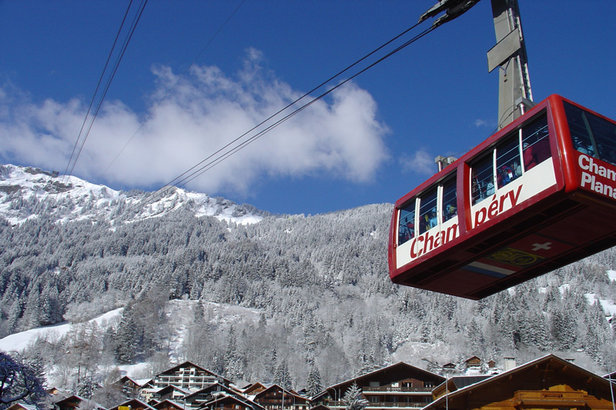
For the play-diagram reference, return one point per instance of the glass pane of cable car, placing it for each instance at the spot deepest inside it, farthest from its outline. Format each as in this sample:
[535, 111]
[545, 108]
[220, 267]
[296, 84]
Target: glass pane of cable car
[604, 133]
[508, 160]
[450, 206]
[535, 142]
[427, 211]
[581, 134]
[406, 225]
[482, 177]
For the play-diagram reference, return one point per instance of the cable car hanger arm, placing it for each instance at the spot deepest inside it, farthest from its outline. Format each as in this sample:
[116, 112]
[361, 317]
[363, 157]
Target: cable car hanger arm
[452, 9]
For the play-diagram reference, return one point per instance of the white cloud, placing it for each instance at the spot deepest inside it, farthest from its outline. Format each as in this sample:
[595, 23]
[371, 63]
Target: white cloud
[420, 162]
[188, 118]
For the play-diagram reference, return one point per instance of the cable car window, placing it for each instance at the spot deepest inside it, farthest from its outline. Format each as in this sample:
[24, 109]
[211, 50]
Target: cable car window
[579, 128]
[406, 226]
[535, 142]
[508, 160]
[605, 137]
[482, 177]
[450, 206]
[427, 211]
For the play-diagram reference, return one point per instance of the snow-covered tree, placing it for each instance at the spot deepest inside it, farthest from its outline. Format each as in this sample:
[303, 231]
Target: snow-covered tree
[354, 399]
[18, 382]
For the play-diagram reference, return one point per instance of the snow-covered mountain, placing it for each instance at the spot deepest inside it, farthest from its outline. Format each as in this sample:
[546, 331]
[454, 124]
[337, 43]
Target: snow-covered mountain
[317, 288]
[27, 192]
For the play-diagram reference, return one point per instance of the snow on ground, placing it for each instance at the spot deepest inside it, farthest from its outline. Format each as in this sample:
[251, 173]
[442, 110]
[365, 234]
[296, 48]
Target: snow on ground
[611, 274]
[608, 305]
[20, 341]
[178, 311]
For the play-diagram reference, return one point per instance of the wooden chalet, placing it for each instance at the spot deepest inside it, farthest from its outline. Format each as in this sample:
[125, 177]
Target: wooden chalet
[128, 386]
[473, 364]
[253, 388]
[187, 376]
[226, 402]
[168, 393]
[546, 383]
[449, 368]
[275, 397]
[74, 402]
[132, 404]
[399, 386]
[456, 383]
[22, 406]
[197, 399]
[168, 405]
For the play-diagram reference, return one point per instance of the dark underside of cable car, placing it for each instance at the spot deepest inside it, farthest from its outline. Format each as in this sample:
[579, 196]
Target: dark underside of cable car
[532, 242]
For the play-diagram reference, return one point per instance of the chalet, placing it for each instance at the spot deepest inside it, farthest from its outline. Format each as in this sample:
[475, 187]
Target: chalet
[253, 389]
[196, 399]
[400, 385]
[449, 368]
[132, 404]
[473, 364]
[168, 393]
[168, 405]
[275, 397]
[128, 386]
[188, 376]
[73, 402]
[548, 382]
[226, 402]
[22, 406]
[456, 383]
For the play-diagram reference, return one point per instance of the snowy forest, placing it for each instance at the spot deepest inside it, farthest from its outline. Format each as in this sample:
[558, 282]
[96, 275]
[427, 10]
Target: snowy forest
[312, 301]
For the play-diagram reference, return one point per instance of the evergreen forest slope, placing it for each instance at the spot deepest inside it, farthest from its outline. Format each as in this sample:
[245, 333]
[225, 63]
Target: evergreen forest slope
[309, 295]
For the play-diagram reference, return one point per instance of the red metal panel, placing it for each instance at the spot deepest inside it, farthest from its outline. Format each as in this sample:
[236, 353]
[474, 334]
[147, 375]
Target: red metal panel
[565, 222]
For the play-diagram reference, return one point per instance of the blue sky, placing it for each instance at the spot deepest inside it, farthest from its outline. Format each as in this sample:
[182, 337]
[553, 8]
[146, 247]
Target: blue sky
[189, 83]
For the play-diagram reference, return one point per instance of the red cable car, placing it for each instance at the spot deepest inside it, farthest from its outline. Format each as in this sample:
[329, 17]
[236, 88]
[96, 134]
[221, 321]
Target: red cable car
[537, 195]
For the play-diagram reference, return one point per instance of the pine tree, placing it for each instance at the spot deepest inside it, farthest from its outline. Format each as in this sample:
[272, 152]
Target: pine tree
[314, 382]
[126, 340]
[354, 399]
[282, 376]
[233, 363]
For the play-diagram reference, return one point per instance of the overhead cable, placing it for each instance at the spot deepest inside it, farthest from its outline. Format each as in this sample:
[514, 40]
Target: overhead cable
[205, 164]
[80, 142]
[220, 155]
[199, 54]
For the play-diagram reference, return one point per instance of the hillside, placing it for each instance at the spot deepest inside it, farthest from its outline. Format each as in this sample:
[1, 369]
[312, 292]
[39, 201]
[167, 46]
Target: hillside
[317, 286]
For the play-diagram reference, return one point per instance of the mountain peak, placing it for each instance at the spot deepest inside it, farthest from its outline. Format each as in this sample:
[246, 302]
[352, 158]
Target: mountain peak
[27, 192]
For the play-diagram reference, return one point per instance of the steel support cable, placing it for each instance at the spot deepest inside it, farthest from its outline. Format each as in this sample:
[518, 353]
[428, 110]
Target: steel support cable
[205, 47]
[110, 79]
[183, 177]
[100, 80]
[219, 30]
[222, 157]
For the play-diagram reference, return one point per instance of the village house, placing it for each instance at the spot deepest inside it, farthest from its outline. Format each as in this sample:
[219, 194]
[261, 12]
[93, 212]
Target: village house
[132, 404]
[168, 405]
[187, 376]
[168, 393]
[401, 386]
[275, 397]
[546, 383]
[226, 402]
[208, 394]
[74, 402]
[128, 386]
[253, 389]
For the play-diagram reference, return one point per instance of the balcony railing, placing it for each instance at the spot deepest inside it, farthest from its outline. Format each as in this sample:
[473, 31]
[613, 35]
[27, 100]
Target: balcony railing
[390, 389]
[381, 405]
